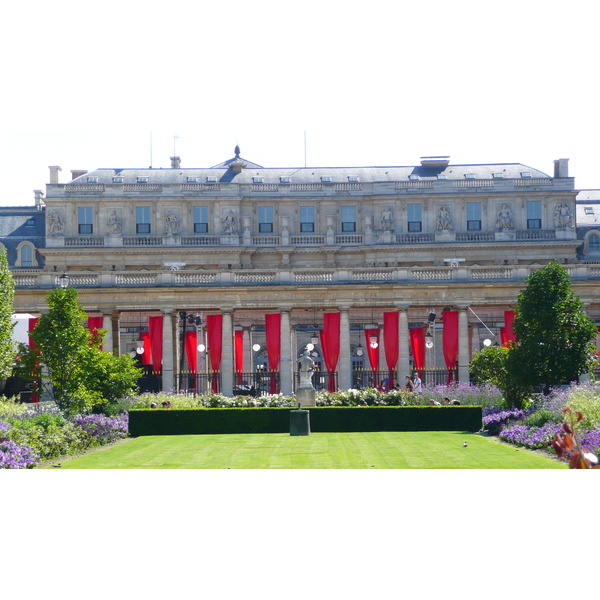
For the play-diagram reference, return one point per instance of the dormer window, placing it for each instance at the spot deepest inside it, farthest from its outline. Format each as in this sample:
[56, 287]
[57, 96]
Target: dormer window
[588, 210]
[92, 180]
[118, 179]
[30, 222]
[442, 176]
[192, 180]
[211, 179]
[497, 175]
[143, 179]
[413, 177]
[526, 174]
[326, 179]
[469, 175]
[352, 179]
[257, 179]
[285, 180]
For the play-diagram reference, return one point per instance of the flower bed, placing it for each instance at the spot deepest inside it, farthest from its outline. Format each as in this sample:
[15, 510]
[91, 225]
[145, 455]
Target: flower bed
[531, 437]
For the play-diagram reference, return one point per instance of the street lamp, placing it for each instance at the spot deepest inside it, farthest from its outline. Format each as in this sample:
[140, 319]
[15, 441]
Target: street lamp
[63, 280]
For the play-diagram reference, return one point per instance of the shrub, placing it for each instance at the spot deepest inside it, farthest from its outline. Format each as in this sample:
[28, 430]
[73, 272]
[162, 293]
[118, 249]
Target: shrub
[586, 399]
[541, 417]
[9, 407]
[102, 429]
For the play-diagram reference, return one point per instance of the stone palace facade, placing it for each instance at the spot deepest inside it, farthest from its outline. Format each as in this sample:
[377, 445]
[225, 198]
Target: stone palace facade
[220, 277]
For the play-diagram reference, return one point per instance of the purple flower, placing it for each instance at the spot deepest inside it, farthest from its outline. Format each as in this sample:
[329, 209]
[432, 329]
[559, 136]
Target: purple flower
[591, 441]
[103, 429]
[531, 437]
[13, 456]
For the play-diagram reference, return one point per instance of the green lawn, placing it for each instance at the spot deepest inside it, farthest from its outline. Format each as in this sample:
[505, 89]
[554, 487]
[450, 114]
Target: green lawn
[378, 450]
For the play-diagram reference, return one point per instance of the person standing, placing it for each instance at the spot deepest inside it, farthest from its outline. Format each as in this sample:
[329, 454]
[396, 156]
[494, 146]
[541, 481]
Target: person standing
[408, 386]
[417, 384]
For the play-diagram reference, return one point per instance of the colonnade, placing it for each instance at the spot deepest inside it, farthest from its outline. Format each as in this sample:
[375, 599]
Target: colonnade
[171, 341]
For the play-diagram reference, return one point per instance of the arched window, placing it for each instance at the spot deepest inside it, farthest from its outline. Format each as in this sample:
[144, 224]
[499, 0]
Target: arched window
[594, 243]
[26, 255]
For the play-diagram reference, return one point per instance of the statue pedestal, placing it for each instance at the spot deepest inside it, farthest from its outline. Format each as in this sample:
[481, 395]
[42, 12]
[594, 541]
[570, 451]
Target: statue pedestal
[299, 422]
[306, 395]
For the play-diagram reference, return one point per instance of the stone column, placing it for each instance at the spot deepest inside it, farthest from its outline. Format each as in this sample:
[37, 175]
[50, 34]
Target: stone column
[247, 351]
[345, 361]
[463, 345]
[168, 375]
[475, 343]
[116, 330]
[286, 365]
[404, 350]
[107, 323]
[227, 355]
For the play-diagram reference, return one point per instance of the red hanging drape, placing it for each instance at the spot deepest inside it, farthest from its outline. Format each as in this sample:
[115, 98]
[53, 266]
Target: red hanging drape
[273, 336]
[417, 346]
[509, 316]
[503, 338]
[190, 350]
[372, 353]
[450, 340]
[94, 323]
[390, 342]
[145, 336]
[239, 354]
[155, 328]
[32, 323]
[330, 344]
[214, 335]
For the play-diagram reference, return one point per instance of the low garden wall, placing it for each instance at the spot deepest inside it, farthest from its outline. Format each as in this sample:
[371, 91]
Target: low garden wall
[322, 419]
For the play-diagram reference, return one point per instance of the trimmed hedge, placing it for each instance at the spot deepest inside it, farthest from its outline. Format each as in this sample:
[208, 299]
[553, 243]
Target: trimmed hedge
[322, 419]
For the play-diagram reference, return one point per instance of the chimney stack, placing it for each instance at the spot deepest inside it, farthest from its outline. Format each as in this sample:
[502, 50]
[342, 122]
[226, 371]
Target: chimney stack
[175, 162]
[561, 168]
[54, 174]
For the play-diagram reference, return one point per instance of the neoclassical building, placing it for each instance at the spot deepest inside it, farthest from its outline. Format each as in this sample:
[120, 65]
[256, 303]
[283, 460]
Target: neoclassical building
[217, 277]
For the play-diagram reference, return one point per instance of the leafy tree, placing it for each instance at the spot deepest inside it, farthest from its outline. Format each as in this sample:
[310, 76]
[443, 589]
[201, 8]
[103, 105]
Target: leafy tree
[78, 374]
[490, 365]
[555, 338]
[7, 294]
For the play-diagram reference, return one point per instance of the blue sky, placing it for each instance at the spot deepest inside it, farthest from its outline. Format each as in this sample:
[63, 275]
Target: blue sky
[370, 84]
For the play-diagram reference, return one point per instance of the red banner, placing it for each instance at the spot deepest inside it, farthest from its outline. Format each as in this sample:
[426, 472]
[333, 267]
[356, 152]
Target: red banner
[330, 344]
[390, 342]
[417, 346]
[273, 335]
[94, 325]
[450, 340]
[155, 327]
[214, 335]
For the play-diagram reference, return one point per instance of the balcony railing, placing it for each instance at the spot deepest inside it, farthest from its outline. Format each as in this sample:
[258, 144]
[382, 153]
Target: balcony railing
[285, 276]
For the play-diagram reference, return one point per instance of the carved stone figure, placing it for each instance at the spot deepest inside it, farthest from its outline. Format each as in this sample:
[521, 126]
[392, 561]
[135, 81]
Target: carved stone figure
[444, 218]
[172, 223]
[387, 219]
[307, 366]
[56, 225]
[114, 224]
[504, 219]
[229, 223]
[562, 216]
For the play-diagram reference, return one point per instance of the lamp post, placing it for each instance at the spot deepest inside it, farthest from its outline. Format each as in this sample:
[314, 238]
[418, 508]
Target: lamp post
[63, 280]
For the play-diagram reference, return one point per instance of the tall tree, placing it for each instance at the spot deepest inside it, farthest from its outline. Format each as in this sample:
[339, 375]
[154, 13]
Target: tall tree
[555, 338]
[7, 294]
[77, 373]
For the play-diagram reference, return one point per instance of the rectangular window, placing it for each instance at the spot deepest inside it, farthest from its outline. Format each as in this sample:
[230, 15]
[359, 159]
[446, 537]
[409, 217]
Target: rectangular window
[118, 179]
[348, 218]
[26, 256]
[200, 219]
[265, 219]
[414, 217]
[85, 220]
[473, 216]
[534, 214]
[142, 219]
[307, 219]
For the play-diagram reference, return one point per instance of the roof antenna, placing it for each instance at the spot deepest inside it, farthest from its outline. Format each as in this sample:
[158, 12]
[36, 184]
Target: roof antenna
[237, 151]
